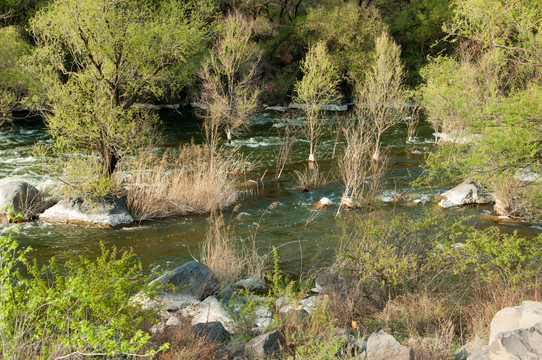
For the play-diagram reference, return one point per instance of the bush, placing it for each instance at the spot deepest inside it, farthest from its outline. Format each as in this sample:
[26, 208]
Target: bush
[392, 251]
[80, 307]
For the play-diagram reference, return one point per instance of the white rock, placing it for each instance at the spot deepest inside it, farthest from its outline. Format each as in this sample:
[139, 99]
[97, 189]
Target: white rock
[105, 212]
[527, 175]
[522, 344]
[506, 319]
[173, 321]
[323, 203]
[347, 202]
[530, 314]
[463, 194]
[262, 324]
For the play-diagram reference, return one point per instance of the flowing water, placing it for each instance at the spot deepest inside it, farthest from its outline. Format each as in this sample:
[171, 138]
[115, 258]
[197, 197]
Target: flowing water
[305, 239]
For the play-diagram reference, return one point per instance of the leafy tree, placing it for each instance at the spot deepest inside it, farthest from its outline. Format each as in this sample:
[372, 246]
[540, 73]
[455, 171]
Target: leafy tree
[486, 96]
[229, 86]
[348, 30]
[381, 97]
[98, 58]
[15, 82]
[417, 26]
[318, 86]
[513, 26]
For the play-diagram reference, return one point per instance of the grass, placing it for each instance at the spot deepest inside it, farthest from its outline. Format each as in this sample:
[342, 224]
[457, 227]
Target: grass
[195, 179]
[310, 177]
[231, 257]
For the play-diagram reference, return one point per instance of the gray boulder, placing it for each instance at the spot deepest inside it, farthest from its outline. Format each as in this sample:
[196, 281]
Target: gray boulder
[470, 348]
[520, 344]
[210, 310]
[192, 279]
[382, 346]
[251, 284]
[479, 355]
[528, 314]
[265, 345]
[20, 197]
[105, 211]
[463, 194]
[212, 332]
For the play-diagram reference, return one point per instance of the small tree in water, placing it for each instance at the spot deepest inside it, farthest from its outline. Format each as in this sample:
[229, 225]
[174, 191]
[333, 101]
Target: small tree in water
[229, 88]
[318, 86]
[381, 98]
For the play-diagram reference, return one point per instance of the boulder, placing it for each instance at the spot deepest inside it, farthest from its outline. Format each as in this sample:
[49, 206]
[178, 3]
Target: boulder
[479, 355]
[251, 284]
[520, 344]
[382, 346]
[225, 294]
[191, 279]
[506, 319]
[470, 348]
[265, 345]
[463, 194]
[20, 197]
[348, 203]
[105, 211]
[323, 203]
[210, 310]
[528, 314]
[212, 332]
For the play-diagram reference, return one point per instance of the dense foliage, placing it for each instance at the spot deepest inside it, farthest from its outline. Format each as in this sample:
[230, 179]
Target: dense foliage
[80, 307]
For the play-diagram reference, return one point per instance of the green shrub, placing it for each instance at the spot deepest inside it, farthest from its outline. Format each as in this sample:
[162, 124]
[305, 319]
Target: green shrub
[80, 307]
[492, 255]
[393, 251]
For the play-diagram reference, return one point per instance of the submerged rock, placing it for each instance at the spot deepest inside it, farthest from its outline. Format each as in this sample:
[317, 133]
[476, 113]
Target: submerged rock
[20, 197]
[106, 211]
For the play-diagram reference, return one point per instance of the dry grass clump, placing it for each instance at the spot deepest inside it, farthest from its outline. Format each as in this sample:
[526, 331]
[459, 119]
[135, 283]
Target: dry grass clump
[488, 299]
[183, 344]
[310, 177]
[196, 179]
[361, 176]
[288, 138]
[229, 256]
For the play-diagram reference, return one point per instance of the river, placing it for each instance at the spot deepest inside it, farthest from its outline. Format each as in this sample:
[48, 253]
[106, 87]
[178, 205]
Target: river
[305, 240]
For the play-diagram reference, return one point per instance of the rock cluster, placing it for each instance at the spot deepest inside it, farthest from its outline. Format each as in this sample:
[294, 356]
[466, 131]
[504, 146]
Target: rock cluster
[192, 292]
[515, 334]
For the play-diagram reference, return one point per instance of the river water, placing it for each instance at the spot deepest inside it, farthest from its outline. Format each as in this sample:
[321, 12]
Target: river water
[305, 239]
